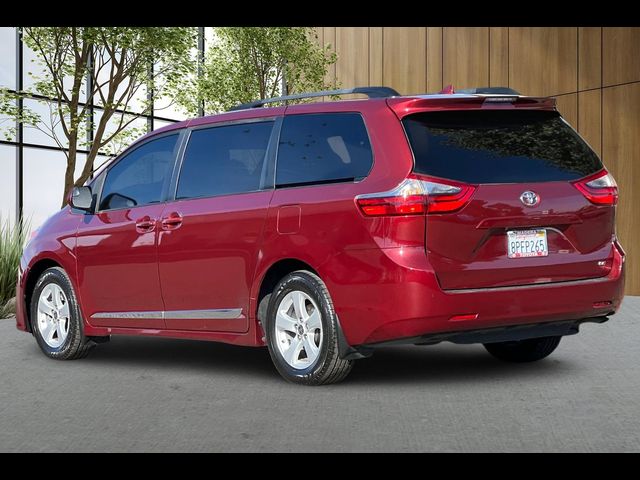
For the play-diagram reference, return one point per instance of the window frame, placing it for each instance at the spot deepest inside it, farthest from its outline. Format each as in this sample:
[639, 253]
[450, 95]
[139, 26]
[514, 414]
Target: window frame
[269, 160]
[101, 178]
[327, 182]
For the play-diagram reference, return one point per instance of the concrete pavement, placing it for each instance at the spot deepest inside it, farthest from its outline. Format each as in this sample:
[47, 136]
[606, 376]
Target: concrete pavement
[145, 394]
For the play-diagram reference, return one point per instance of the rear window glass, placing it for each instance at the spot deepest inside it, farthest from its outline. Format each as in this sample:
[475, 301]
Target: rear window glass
[498, 146]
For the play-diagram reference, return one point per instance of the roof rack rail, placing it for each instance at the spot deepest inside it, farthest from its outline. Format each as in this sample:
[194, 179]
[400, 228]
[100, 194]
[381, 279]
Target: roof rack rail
[371, 92]
[489, 91]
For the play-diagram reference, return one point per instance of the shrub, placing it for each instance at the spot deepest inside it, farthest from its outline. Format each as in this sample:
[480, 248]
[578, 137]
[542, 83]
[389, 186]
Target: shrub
[12, 237]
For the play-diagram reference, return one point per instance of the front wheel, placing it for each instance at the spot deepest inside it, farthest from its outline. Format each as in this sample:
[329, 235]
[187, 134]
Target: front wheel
[302, 331]
[521, 351]
[56, 321]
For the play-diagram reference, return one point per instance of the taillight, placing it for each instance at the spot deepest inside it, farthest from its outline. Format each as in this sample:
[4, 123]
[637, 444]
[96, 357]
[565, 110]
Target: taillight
[599, 188]
[447, 196]
[417, 195]
[408, 198]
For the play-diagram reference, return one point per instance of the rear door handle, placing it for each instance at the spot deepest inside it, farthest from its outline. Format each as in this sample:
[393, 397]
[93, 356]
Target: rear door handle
[145, 224]
[172, 221]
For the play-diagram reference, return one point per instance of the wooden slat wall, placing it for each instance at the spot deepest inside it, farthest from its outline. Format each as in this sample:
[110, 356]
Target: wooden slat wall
[621, 151]
[594, 72]
[465, 53]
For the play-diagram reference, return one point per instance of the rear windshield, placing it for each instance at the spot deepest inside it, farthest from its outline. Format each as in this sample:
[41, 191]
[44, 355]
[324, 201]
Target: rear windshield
[498, 146]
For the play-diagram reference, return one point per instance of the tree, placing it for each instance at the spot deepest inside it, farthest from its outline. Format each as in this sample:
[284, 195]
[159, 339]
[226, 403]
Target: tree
[112, 65]
[249, 63]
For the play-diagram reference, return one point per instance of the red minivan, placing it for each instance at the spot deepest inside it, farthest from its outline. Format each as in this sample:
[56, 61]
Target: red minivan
[323, 230]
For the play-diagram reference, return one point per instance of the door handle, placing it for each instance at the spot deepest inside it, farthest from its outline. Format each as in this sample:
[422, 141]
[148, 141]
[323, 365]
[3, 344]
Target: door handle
[172, 221]
[145, 224]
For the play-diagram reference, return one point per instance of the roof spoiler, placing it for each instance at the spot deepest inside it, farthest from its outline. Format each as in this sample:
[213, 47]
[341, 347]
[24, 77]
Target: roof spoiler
[448, 90]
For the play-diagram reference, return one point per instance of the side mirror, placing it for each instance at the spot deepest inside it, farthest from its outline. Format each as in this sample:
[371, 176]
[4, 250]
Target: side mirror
[81, 198]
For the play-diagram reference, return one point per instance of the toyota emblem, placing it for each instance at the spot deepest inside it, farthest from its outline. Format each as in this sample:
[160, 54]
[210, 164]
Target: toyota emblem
[529, 199]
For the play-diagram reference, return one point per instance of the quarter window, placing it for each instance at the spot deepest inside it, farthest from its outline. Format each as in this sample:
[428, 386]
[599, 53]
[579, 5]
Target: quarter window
[138, 178]
[225, 160]
[323, 148]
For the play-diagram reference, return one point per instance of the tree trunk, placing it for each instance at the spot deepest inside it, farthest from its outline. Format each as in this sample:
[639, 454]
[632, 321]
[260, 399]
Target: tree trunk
[68, 176]
[87, 170]
[68, 185]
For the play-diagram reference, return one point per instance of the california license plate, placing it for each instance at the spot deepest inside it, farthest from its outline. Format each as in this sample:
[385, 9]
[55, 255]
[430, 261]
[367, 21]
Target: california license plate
[527, 243]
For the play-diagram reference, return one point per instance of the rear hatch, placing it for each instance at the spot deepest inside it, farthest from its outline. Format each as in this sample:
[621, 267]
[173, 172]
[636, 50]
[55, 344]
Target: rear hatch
[529, 219]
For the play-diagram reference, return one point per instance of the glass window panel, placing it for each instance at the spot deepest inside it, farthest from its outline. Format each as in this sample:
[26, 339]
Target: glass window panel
[209, 37]
[43, 183]
[136, 104]
[8, 57]
[498, 146]
[321, 148]
[49, 125]
[224, 160]
[138, 178]
[135, 130]
[7, 127]
[7, 182]
[164, 104]
[160, 123]
[166, 107]
[99, 163]
[34, 70]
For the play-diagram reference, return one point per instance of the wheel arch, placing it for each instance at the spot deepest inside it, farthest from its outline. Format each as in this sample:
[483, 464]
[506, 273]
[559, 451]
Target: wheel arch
[32, 278]
[267, 284]
[273, 275]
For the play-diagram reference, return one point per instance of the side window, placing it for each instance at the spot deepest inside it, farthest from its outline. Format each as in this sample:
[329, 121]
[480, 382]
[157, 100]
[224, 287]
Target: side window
[323, 148]
[138, 178]
[224, 160]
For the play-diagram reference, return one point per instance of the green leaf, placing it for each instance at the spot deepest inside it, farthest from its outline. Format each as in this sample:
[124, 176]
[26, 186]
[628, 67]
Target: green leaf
[248, 63]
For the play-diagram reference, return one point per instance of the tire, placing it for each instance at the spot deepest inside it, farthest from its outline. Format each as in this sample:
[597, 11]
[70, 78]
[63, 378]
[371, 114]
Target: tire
[67, 343]
[323, 365]
[523, 351]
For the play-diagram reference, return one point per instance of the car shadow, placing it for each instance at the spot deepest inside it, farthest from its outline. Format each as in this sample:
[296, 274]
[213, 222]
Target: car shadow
[449, 363]
[444, 363]
[180, 355]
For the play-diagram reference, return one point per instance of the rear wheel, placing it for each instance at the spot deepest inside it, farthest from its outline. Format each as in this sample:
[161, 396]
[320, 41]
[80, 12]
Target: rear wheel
[523, 351]
[55, 317]
[302, 331]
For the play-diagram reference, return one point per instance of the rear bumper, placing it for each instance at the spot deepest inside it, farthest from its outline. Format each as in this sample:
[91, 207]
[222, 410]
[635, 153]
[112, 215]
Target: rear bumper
[508, 333]
[397, 297]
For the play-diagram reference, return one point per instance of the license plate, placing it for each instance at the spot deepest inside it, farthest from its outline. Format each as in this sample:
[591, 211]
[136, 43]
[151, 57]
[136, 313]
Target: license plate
[527, 243]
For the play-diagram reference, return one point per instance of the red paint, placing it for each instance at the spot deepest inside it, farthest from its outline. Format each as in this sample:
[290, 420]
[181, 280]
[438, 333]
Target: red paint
[117, 267]
[606, 303]
[209, 262]
[462, 318]
[289, 219]
[392, 269]
[469, 250]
